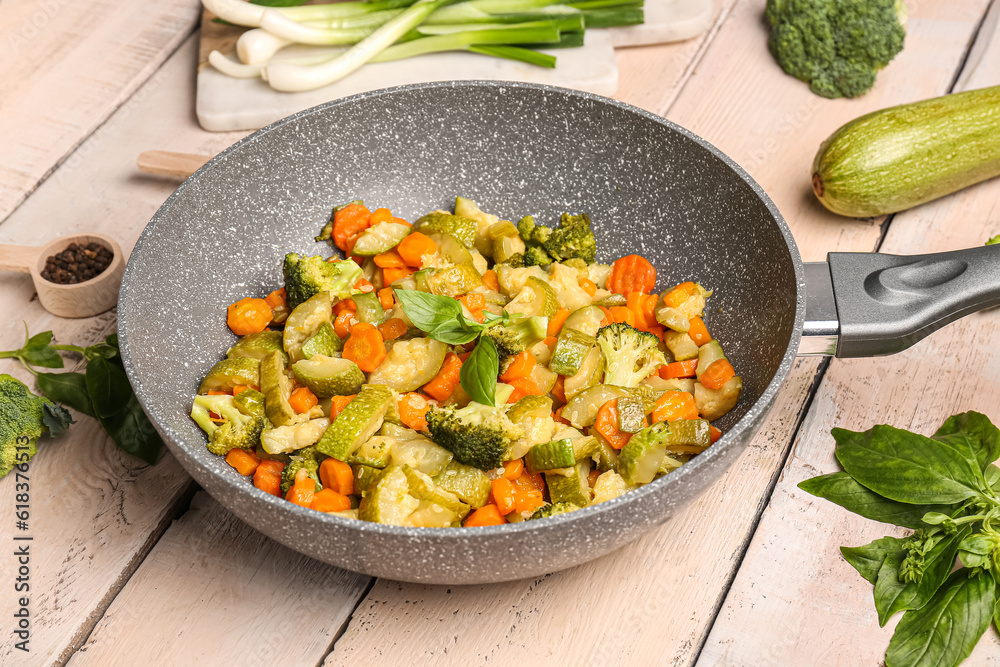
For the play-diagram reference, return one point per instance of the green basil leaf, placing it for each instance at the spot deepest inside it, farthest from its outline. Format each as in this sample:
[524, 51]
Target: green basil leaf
[38, 341]
[478, 375]
[46, 357]
[868, 559]
[69, 389]
[56, 418]
[973, 430]
[108, 388]
[439, 316]
[112, 340]
[100, 350]
[844, 490]
[947, 628]
[893, 595]
[132, 431]
[992, 475]
[907, 467]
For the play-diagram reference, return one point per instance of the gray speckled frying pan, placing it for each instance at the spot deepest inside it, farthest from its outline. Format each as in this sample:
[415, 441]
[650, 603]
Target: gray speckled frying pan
[649, 186]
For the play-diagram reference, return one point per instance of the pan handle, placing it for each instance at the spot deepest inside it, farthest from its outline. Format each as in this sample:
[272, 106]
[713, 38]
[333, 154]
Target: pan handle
[882, 304]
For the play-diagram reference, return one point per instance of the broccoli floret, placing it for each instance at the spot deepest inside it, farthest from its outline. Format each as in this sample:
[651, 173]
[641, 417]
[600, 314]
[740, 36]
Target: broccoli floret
[553, 510]
[22, 422]
[536, 256]
[243, 417]
[516, 260]
[836, 46]
[308, 458]
[513, 339]
[630, 355]
[477, 435]
[572, 238]
[308, 276]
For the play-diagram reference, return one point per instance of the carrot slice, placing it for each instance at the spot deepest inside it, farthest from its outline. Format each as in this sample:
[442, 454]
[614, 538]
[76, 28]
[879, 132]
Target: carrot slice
[389, 260]
[488, 515]
[413, 410]
[249, 316]
[607, 425]
[243, 461]
[557, 321]
[267, 477]
[679, 294]
[520, 367]
[348, 223]
[392, 328]
[444, 383]
[329, 500]
[490, 280]
[718, 373]
[632, 273]
[414, 247]
[386, 298]
[698, 331]
[365, 347]
[389, 276]
[503, 493]
[337, 476]
[679, 369]
[675, 405]
[302, 400]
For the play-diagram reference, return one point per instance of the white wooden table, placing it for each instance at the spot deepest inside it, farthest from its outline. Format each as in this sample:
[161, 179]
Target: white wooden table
[134, 565]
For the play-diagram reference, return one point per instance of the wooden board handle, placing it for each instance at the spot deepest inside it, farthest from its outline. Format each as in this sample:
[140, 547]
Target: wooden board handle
[20, 258]
[172, 165]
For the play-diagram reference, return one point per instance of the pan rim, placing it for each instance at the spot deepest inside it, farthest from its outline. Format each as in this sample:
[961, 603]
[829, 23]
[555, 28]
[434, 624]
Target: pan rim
[734, 437]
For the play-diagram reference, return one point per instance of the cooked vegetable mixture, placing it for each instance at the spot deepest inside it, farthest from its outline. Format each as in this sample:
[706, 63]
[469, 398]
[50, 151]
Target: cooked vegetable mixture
[463, 371]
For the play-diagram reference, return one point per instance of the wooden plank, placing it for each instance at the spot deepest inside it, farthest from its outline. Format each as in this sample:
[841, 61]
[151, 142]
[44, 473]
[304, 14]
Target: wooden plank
[772, 125]
[67, 67]
[212, 590]
[95, 511]
[648, 603]
[795, 600]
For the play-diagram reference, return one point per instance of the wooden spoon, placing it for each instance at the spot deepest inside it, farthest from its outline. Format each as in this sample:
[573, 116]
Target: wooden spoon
[172, 165]
[85, 299]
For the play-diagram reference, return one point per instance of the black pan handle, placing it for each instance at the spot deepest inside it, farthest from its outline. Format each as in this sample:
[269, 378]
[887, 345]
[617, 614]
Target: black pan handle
[882, 304]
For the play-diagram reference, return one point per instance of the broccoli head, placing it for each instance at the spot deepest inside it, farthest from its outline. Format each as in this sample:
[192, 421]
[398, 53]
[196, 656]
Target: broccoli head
[573, 238]
[22, 421]
[516, 260]
[630, 355]
[515, 338]
[308, 276]
[242, 415]
[308, 458]
[836, 46]
[477, 435]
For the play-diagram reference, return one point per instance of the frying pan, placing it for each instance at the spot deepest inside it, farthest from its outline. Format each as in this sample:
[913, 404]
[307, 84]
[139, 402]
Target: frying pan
[649, 186]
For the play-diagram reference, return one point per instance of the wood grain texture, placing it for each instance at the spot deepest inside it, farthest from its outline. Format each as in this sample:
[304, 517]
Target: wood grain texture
[772, 125]
[795, 600]
[214, 591]
[67, 66]
[95, 511]
[648, 603]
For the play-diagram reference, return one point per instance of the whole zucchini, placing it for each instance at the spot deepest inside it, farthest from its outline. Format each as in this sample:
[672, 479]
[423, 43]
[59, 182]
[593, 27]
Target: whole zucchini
[900, 157]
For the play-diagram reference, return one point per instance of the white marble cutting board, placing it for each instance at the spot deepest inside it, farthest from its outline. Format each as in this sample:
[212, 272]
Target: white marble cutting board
[227, 104]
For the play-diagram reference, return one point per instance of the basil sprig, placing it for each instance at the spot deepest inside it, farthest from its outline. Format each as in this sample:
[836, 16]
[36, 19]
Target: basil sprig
[102, 391]
[947, 489]
[441, 318]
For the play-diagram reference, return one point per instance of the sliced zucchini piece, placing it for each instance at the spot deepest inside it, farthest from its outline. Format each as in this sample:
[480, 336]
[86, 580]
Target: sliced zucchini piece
[422, 487]
[586, 320]
[365, 478]
[708, 354]
[631, 414]
[590, 374]
[421, 454]
[581, 410]
[292, 437]
[229, 373]
[304, 321]
[611, 300]
[329, 376]
[455, 281]
[389, 501]
[437, 222]
[379, 238]
[410, 364]
[543, 378]
[256, 345]
[689, 436]
[606, 456]
[585, 447]
[530, 407]
[374, 452]
[277, 388]
[658, 384]
[369, 308]
[680, 345]
[431, 515]
[550, 455]
[325, 342]
[467, 208]
[471, 485]
[572, 347]
[356, 423]
[673, 319]
[713, 403]
[512, 280]
[571, 487]
[536, 298]
[640, 457]
[609, 485]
